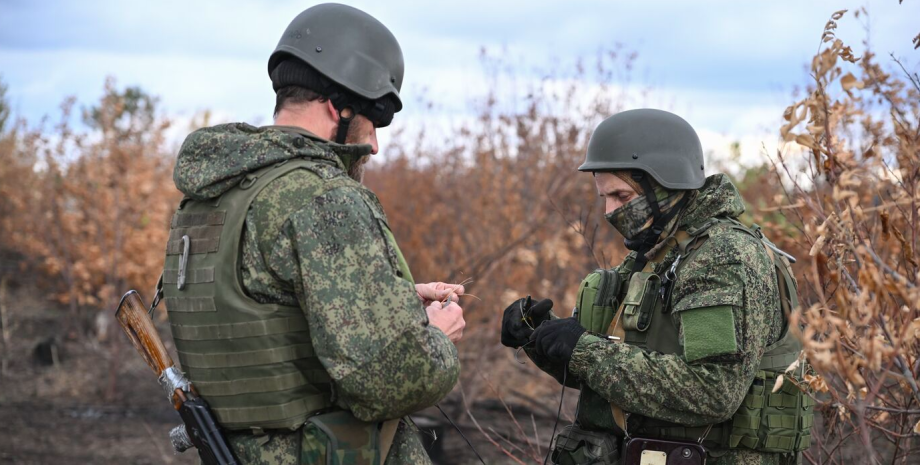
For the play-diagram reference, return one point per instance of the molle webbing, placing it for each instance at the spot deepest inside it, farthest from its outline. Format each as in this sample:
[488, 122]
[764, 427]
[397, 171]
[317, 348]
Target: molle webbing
[253, 362]
[250, 386]
[238, 330]
[273, 416]
[765, 421]
[246, 359]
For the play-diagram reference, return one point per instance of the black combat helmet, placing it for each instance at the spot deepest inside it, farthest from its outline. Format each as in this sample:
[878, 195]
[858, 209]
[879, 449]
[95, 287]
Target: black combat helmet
[656, 142]
[352, 58]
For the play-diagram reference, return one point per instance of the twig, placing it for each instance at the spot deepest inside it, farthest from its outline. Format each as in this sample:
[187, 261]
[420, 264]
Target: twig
[887, 269]
[5, 324]
[166, 458]
[899, 361]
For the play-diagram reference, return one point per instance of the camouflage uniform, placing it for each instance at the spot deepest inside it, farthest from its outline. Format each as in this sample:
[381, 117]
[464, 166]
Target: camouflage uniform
[698, 387]
[333, 256]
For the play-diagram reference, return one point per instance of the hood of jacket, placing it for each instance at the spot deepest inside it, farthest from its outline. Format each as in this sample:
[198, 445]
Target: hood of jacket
[717, 197]
[214, 159]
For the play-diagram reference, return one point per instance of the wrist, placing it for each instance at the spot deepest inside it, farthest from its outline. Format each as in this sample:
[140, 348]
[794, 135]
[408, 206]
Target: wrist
[580, 361]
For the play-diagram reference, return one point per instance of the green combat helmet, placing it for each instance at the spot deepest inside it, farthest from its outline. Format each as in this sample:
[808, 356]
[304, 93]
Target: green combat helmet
[353, 52]
[656, 142]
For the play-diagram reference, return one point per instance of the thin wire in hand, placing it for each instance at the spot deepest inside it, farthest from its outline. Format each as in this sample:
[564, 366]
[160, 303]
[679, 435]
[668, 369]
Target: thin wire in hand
[549, 450]
[518, 351]
[461, 434]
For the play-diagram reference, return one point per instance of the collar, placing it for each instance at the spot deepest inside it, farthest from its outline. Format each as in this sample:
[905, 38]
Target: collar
[348, 154]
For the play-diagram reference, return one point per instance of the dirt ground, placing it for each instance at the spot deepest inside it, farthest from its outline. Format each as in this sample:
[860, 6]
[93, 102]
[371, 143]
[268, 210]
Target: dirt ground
[77, 393]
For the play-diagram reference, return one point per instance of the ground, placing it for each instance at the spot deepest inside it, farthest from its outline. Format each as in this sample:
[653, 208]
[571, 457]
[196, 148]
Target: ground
[74, 391]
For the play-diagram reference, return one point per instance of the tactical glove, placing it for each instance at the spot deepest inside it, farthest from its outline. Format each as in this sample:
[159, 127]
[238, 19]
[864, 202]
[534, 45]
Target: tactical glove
[555, 340]
[521, 318]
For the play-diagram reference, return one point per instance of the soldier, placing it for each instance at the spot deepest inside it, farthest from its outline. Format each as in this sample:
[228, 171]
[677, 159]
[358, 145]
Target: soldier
[685, 340]
[293, 310]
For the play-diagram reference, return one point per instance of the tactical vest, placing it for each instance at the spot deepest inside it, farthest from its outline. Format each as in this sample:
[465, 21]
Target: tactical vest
[636, 307]
[253, 362]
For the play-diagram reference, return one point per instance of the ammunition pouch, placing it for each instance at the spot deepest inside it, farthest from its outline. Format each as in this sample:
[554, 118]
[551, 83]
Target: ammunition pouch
[773, 422]
[597, 299]
[765, 422]
[349, 440]
[641, 301]
[575, 446]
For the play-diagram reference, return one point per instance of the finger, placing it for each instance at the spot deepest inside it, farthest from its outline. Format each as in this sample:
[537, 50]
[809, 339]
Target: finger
[453, 307]
[427, 291]
[541, 308]
[435, 306]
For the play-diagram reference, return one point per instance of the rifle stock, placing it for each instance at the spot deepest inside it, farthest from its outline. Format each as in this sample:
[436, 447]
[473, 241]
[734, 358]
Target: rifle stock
[201, 426]
[133, 318]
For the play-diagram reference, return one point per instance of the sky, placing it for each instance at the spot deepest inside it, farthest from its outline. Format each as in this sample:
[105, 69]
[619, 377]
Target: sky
[728, 67]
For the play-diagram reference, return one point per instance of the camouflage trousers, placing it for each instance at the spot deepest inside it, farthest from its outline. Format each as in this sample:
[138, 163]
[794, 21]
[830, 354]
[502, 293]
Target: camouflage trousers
[301, 447]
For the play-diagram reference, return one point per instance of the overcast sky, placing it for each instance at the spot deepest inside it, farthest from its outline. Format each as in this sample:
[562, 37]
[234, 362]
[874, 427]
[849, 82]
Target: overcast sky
[728, 67]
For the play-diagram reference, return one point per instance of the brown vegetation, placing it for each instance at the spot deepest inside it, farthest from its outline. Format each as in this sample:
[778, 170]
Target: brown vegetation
[500, 203]
[855, 208]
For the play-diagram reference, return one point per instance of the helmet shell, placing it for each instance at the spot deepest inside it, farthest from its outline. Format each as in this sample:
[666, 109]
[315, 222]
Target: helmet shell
[657, 142]
[348, 46]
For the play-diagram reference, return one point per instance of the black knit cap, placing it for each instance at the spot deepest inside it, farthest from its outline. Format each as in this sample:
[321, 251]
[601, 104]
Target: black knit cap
[294, 72]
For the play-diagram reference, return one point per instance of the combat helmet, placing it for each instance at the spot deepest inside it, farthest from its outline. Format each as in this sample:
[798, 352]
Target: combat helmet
[653, 141]
[357, 61]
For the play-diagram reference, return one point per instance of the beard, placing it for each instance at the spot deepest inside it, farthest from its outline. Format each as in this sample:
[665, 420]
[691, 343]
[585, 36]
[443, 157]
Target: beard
[356, 170]
[356, 135]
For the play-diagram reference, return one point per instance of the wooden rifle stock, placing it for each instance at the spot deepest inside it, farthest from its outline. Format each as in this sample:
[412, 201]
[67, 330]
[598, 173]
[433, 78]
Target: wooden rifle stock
[201, 426]
[134, 320]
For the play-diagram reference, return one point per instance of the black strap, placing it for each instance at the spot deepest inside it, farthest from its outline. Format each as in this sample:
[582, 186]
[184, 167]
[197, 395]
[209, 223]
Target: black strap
[344, 123]
[651, 236]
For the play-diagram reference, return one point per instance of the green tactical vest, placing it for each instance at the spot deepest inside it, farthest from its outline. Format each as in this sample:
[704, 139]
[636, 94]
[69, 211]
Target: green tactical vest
[766, 421]
[253, 362]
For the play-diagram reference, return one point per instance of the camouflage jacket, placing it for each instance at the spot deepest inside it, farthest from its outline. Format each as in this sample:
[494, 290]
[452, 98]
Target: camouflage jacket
[328, 255]
[730, 268]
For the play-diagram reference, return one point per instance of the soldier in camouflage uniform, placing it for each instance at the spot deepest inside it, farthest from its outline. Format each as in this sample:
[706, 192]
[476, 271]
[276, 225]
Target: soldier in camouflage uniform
[684, 340]
[293, 310]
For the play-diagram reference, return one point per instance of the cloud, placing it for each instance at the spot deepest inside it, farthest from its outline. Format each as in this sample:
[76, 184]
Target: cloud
[727, 66]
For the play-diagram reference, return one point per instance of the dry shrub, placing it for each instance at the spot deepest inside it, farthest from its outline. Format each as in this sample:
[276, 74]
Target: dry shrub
[500, 203]
[850, 173]
[89, 209]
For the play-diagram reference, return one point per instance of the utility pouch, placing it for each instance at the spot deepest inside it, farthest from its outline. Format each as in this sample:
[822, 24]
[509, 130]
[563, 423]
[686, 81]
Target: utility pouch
[348, 440]
[643, 451]
[642, 298]
[575, 446]
[597, 300]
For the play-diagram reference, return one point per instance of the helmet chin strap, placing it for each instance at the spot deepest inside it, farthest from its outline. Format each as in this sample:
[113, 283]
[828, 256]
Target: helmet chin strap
[346, 115]
[652, 234]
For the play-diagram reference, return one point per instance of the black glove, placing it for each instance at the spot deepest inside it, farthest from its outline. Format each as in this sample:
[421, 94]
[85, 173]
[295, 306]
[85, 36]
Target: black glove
[555, 340]
[516, 330]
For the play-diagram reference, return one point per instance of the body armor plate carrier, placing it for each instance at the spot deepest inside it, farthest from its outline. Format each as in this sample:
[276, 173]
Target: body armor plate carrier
[253, 362]
[632, 305]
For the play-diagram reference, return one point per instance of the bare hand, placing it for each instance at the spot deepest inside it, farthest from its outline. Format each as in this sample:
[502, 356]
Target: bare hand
[431, 292]
[448, 319]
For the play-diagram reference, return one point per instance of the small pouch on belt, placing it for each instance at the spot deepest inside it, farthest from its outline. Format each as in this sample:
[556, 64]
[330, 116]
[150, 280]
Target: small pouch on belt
[575, 446]
[642, 298]
[349, 440]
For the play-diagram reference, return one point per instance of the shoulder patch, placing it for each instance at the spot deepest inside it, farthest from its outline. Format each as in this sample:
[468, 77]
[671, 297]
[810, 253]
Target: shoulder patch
[708, 332]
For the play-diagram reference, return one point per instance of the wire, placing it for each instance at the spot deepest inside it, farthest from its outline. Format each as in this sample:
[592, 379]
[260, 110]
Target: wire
[461, 434]
[549, 449]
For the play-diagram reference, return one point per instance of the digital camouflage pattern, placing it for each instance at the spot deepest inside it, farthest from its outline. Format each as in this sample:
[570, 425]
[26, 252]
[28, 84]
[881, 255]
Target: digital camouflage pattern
[307, 447]
[327, 250]
[636, 215]
[730, 269]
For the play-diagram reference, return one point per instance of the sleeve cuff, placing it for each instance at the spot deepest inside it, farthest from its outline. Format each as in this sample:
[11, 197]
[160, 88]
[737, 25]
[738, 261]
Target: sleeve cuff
[581, 356]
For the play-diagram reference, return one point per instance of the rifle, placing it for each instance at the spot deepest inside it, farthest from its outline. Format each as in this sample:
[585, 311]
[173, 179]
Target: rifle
[200, 429]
